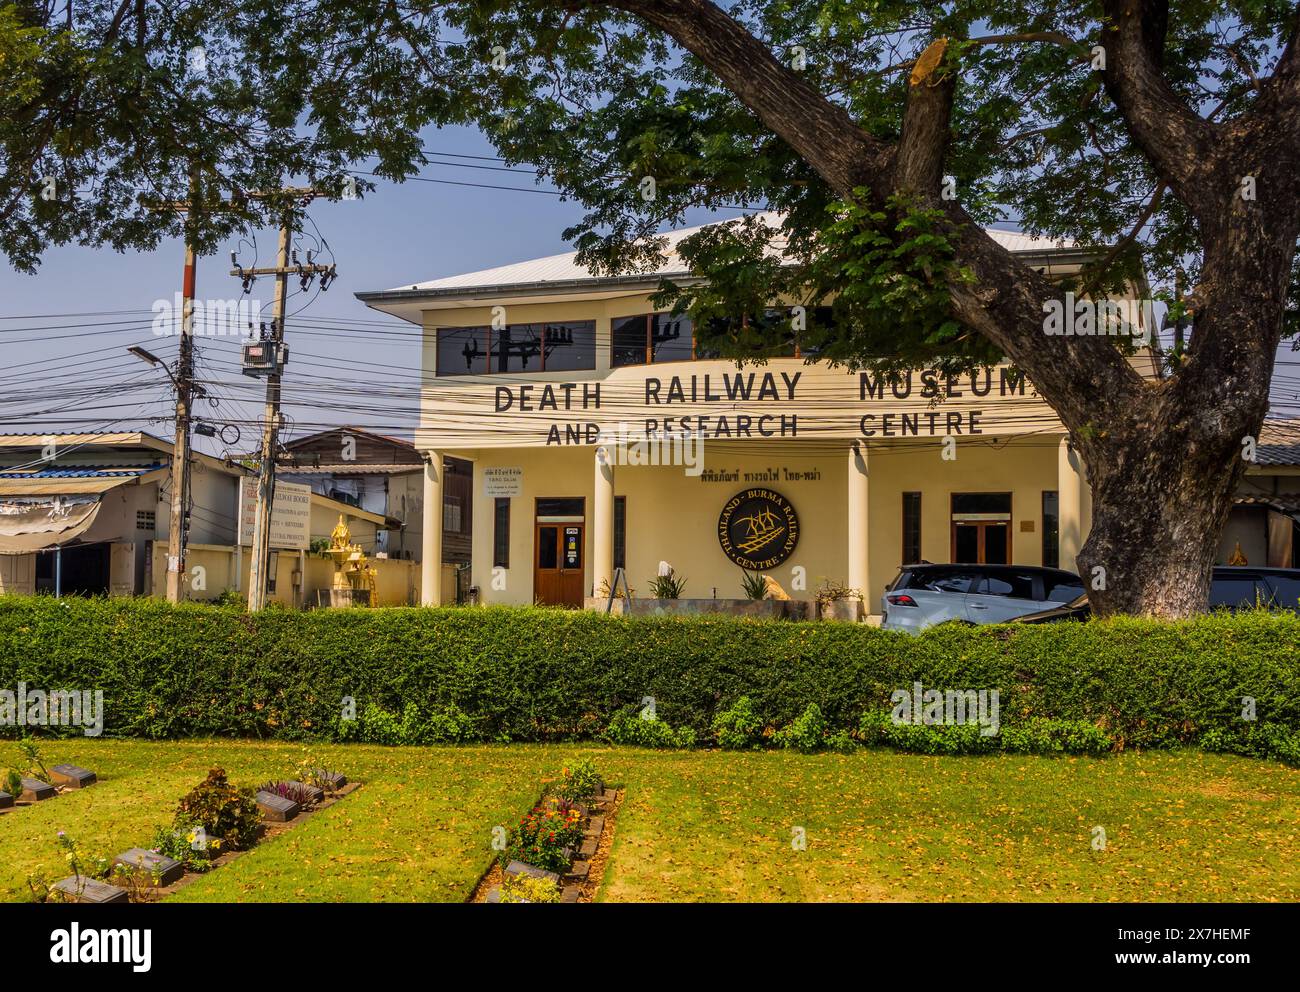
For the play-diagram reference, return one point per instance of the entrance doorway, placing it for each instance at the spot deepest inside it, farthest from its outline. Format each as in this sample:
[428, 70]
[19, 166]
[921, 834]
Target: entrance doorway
[981, 528]
[559, 569]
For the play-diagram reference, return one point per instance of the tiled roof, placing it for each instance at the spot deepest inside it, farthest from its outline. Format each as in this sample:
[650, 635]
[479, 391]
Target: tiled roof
[1279, 443]
[82, 472]
[565, 267]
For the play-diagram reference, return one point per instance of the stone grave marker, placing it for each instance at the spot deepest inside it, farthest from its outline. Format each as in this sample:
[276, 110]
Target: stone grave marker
[72, 776]
[34, 790]
[519, 868]
[336, 780]
[315, 793]
[88, 890]
[6, 800]
[277, 809]
[151, 867]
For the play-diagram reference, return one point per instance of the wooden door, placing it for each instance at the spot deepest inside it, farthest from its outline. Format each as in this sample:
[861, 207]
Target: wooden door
[559, 573]
[981, 542]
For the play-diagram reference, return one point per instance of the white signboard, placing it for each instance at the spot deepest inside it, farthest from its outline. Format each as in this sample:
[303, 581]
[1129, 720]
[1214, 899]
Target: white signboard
[290, 513]
[503, 482]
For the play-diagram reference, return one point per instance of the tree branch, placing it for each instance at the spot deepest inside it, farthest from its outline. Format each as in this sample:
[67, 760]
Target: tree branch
[1179, 144]
[918, 163]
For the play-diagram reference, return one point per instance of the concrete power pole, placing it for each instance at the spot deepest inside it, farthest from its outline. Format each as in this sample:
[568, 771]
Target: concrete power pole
[261, 549]
[178, 534]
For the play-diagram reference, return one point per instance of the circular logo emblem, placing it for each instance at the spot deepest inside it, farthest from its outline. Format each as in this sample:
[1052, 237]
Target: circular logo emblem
[758, 529]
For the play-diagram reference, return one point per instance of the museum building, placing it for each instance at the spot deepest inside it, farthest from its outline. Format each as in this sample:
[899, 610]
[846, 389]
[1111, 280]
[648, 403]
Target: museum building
[602, 438]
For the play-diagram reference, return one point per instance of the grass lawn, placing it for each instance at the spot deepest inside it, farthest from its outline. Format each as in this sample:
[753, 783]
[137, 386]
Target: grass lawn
[711, 825]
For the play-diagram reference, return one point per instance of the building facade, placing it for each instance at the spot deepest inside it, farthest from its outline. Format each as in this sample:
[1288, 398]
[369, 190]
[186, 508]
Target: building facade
[601, 437]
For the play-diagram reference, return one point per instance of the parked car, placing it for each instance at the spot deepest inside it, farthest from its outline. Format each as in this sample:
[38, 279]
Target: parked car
[924, 595]
[1231, 587]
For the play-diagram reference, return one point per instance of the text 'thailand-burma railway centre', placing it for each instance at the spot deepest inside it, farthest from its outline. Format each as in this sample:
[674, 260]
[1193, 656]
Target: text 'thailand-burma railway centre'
[601, 438]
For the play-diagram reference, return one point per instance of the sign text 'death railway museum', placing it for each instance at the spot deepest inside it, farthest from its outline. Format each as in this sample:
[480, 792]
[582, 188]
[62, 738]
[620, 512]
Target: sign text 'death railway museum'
[796, 401]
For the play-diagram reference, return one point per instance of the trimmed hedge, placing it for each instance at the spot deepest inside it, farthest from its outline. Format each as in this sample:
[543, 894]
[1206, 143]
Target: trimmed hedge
[537, 674]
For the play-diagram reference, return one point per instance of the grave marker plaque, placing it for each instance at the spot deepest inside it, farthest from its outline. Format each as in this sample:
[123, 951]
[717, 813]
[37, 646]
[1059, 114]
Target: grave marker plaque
[153, 868]
[519, 868]
[72, 776]
[277, 809]
[336, 780]
[85, 889]
[6, 800]
[34, 790]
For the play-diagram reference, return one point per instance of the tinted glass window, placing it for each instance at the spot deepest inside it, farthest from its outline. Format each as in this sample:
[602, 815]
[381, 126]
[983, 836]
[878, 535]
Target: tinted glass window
[629, 341]
[1237, 592]
[570, 346]
[1051, 531]
[561, 507]
[940, 580]
[981, 503]
[911, 528]
[670, 338]
[1062, 588]
[462, 350]
[1286, 592]
[548, 547]
[501, 533]
[1017, 585]
[517, 348]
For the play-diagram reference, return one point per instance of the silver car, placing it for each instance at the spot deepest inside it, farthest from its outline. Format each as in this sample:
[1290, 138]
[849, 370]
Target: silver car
[924, 595]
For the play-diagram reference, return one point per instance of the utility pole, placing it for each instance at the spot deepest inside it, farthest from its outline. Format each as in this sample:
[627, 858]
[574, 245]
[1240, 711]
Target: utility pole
[260, 552]
[178, 533]
[183, 380]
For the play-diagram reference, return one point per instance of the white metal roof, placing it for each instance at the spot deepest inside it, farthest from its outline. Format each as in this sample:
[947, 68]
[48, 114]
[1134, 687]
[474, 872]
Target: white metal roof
[565, 267]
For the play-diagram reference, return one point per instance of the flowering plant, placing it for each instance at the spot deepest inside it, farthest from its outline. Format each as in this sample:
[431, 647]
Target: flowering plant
[544, 834]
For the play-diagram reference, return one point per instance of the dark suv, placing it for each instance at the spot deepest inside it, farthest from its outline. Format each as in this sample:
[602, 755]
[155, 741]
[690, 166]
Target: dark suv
[1231, 587]
[924, 595]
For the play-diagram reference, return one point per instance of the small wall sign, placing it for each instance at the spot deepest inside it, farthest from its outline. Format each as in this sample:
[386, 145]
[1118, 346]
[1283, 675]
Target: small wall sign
[503, 482]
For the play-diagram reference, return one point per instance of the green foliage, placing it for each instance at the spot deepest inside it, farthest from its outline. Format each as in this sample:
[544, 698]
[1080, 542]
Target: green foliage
[529, 888]
[13, 783]
[739, 727]
[578, 782]
[668, 586]
[1038, 735]
[179, 841]
[223, 811]
[546, 836]
[524, 674]
[753, 585]
[809, 732]
[31, 752]
[630, 727]
[376, 725]
[1258, 740]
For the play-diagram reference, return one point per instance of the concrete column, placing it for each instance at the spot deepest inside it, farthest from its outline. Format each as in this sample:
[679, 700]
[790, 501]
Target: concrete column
[858, 577]
[431, 551]
[1074, 507]
[602, 522]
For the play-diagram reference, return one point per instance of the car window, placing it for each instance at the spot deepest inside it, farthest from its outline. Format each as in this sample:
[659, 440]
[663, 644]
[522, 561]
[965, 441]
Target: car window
[942, 579]
[1062, 588]
[1237, 592]
[1286, 592]
[1017, 585]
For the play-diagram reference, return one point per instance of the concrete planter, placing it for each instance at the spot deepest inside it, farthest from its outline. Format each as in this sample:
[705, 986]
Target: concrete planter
[762, 609]
[849, 610]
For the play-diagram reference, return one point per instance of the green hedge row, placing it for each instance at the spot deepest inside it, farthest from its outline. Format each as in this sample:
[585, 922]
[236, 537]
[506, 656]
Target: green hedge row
[533, 674]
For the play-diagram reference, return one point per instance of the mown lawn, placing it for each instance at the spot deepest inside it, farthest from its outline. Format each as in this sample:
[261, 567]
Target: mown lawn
[717, 826]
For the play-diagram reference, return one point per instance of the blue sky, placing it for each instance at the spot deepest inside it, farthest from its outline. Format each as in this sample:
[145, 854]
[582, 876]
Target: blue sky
[397, 235]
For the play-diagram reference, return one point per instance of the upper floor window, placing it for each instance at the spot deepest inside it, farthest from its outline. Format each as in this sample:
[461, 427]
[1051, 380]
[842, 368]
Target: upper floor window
[650, 337]
[565, 346]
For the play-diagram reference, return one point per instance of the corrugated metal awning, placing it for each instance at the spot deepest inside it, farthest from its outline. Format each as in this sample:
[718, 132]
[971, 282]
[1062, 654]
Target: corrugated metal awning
[94, 486]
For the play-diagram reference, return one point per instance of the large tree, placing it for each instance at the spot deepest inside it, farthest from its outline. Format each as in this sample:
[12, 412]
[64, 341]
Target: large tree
[886, 135]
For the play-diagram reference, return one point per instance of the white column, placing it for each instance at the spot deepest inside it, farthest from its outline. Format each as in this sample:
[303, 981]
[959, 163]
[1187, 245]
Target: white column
[858, 577]
[602, 522]
[1070, 504]
[431, 549]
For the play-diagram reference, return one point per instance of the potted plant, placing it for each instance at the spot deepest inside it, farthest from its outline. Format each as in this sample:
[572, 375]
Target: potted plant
[667, 585]
[836, 601]
[754, 584]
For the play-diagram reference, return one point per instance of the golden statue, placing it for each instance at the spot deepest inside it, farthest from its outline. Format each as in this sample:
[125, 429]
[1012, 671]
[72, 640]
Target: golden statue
[1238, 558]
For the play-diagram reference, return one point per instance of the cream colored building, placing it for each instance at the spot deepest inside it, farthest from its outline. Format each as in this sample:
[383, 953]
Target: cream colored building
[549, 380]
